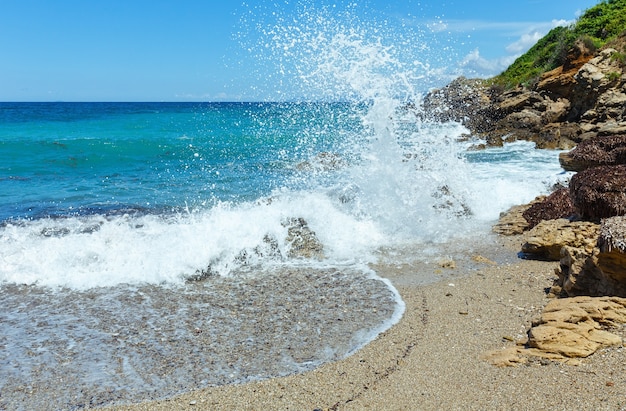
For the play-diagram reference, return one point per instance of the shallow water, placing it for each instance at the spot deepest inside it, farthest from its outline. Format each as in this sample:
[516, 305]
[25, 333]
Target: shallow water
[72, 349]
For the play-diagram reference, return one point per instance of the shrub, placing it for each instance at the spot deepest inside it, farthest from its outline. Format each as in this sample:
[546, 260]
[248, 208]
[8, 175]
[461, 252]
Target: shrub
[594, 28]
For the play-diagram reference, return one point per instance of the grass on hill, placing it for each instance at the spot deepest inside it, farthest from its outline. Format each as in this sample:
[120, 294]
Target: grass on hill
[597, 26]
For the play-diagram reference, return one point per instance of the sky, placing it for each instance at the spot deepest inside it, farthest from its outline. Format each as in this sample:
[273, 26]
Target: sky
[233, 50]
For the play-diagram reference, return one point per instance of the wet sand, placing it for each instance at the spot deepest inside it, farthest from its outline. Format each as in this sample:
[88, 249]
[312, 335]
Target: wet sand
[433, 358]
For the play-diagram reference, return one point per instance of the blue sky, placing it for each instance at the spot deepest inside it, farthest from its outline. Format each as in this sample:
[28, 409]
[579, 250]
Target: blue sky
[201, 50]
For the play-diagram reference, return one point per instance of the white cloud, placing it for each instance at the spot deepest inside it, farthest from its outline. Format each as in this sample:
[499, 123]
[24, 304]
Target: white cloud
[526, 41]
[533, 35]
[509, 40]
[475, 65]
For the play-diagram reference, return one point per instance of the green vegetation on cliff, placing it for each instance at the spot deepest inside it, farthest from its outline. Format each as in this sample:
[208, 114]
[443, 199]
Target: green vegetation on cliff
[597, 26]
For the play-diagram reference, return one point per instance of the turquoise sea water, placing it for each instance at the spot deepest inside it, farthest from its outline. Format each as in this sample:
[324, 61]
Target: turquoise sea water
[62, 159]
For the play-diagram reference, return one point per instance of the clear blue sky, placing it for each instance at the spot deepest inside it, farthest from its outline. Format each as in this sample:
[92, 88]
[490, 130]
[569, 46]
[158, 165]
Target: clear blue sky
[204, 50]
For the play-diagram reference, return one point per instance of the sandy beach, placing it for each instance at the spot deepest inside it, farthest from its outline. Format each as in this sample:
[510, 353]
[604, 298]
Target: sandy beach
[433, 359]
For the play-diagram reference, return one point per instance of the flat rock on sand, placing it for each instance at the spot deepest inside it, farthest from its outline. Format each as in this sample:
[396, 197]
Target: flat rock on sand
[433, 358]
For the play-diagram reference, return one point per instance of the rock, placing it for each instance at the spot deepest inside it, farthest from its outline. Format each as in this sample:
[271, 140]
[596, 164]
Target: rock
[578, 274]
[547, 238]
[323, 161]
[522, 120]
[567, 330]
[302, 240]
[575, 327]
[558, 136]
[447, 263]
[594, 78]
[557, 205]
[512, 222]
[560, 81]
[556, 111]
[483, 260]
[600, 271]
[612, 255]
[599, 192]
[610, 150]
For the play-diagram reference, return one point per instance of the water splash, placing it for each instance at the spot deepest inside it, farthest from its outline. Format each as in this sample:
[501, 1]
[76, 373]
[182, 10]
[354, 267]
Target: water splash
[365, 174]
[410, 174]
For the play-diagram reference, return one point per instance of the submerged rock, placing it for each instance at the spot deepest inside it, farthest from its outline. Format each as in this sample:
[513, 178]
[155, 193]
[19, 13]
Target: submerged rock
[302, 240]
[323, 161]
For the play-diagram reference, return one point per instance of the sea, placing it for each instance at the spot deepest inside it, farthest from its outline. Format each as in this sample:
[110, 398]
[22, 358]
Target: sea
[152, 248]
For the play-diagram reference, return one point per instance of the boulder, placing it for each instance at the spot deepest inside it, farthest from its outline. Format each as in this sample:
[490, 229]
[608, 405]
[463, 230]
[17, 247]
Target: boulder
[600, 271]
[512, 221]
[577, 327]
[610, 150]
[547, 238]
[612, 255]
[567, 330]
[557, 205]
[599, 192]
[303, 243]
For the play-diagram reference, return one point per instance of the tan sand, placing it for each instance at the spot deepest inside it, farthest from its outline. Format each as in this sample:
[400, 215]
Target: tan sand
[433, 358]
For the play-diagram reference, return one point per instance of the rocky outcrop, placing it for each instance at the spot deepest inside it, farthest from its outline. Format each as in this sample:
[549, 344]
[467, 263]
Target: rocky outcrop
[463, 100]
[584, 98]
[601, 151]
[599, 271]
[599, 192]
[546, 240]
[581, 104]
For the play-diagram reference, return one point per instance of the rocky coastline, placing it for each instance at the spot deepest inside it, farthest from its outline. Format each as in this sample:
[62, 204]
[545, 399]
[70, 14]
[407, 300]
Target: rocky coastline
[582, 99]
[484, 337]
[579, 106]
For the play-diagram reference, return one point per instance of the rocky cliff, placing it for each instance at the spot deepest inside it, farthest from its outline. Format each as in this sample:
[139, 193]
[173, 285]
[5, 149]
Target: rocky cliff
[583, 98]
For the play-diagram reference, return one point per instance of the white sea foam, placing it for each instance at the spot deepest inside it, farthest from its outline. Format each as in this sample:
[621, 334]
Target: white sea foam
[386, 204]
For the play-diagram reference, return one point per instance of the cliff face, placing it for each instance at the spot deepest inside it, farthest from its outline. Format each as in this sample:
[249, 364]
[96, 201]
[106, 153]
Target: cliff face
[583, 98]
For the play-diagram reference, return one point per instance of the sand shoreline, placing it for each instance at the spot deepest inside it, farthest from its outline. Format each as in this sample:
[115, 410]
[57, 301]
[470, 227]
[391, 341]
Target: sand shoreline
[433, 358]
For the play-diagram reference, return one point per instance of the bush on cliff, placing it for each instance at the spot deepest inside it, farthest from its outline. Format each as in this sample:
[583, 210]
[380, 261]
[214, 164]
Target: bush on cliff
[597, 26]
